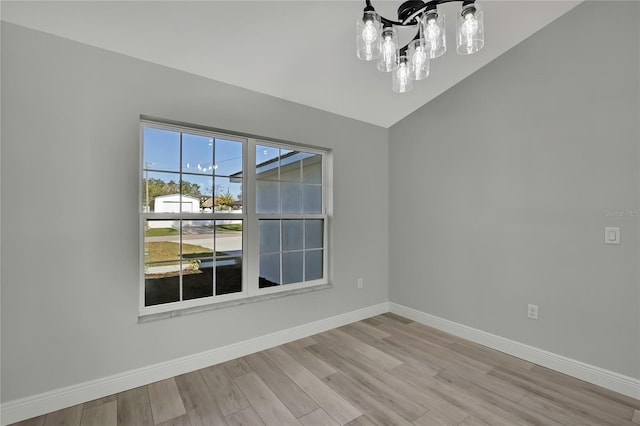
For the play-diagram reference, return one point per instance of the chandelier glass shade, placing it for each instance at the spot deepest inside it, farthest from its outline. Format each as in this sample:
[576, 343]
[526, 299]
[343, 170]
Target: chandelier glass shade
[470, 30]
[419, 63]
[368, 33]
[400, 77]
[377, 38]
[433, 33]
[389, 49]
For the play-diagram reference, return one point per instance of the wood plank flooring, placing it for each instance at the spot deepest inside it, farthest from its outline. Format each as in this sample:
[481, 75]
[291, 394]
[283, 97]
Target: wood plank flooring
[385, 370]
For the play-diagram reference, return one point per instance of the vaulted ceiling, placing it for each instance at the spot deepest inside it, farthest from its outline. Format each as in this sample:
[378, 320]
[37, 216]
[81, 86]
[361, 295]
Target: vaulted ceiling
[301, 51]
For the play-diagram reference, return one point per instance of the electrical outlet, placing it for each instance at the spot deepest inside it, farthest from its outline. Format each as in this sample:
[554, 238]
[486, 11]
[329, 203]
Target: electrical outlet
[360, 283]
[532, 311]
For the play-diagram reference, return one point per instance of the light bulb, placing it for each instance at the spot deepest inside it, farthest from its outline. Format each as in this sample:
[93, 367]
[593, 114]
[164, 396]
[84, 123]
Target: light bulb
[369, 32]
[400, 76]
[403, 76]
[418, 63]
[419, 57]
[470, 25]
[368, 50]
[470, 34]
[432, 31]
[388, 49]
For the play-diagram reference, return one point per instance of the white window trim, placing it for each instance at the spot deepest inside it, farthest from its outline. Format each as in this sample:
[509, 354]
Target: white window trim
[255, 217]
[250, 238]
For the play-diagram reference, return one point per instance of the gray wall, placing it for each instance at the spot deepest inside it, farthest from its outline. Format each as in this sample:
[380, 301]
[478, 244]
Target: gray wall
[501, 186]
[70, 159]
[498, 191]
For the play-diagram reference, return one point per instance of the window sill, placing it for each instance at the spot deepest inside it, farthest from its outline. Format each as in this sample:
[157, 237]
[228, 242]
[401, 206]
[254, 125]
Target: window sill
[220, 305]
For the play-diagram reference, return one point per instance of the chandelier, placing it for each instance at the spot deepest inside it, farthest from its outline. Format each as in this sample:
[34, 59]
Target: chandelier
[377, 38]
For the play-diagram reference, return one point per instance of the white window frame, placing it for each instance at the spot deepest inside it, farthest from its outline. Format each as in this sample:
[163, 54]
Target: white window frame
[254, 218]
[250, 219]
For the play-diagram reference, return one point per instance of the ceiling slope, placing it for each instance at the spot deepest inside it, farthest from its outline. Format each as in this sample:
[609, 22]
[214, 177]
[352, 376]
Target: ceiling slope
[301, 51]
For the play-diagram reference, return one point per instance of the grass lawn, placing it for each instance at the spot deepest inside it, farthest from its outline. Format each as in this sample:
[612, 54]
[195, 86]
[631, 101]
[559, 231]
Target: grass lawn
[229, 227]
[160, 232]
[168, 253]
[163, 232]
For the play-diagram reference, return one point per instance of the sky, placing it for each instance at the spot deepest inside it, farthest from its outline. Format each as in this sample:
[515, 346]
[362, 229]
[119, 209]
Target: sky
[214, 164]
[206, 161]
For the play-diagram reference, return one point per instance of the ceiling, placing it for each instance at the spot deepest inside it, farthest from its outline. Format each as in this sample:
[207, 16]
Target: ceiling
[301, 51]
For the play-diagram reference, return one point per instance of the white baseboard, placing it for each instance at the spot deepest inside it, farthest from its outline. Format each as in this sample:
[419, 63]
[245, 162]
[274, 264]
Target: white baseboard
[599, 376]
[25, 408]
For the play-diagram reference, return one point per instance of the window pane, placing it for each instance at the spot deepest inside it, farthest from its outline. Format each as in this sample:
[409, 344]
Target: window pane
[162, 261]
[162, 245]
[267, 197]
[228, 158]
[312, 198]
[269, 236]
[269, 270]
[161, 150]
[312, 265]
[292, 267]
[197, 258]
[228, 275]
[197, 278]
[197, 154]
[154, 185]
[228, 194]
[292, 235]
[197, 238]
[313, 233]
[291, 197]
[196, 190]
[228, 268]
[162, 289]
[312, 168]
[228, 238]
[267, 163]
[290, 166]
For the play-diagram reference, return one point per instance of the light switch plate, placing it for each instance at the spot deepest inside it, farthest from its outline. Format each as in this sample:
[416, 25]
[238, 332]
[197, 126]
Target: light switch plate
[611, 235]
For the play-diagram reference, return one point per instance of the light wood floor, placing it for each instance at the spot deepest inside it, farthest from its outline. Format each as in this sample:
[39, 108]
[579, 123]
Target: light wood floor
[385, 370]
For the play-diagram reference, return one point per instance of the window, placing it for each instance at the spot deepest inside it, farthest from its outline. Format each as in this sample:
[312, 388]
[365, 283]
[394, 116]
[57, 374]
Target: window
[289, 208]
[201, 236]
